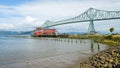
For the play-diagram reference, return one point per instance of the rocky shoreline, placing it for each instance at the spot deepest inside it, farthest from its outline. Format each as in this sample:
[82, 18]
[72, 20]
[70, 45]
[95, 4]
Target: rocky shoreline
[109, 58]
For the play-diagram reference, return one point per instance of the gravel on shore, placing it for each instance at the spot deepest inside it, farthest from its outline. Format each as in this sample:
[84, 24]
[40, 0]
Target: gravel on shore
[109, 58]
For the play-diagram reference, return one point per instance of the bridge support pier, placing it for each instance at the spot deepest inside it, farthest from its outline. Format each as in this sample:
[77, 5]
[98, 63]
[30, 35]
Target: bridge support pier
[91, 28]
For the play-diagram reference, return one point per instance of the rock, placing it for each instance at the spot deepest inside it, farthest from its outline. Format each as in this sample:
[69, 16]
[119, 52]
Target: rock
[118, 66]
[109, 65]
[109, 58]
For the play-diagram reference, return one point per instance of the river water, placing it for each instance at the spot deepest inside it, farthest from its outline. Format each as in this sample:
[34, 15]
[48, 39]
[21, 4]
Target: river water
[16, 52]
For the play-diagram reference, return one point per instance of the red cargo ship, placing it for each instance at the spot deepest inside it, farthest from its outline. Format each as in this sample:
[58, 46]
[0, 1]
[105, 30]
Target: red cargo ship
[45, 32]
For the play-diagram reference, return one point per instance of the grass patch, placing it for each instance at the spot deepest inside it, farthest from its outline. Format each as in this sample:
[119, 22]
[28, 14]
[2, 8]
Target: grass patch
[110, 42]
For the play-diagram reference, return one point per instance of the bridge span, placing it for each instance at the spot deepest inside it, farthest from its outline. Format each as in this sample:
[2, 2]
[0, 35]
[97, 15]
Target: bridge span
[90, 15]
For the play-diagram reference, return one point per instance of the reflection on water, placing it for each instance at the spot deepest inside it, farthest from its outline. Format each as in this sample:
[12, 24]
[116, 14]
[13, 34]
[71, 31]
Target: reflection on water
[92, 46]
[95, 47]
[19, 49]
[98, 47]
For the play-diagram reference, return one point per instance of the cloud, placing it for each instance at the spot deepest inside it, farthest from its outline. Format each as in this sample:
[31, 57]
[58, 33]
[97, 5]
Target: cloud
[34, 13]
[32, 22]
[30, 19]
[61, 9]
[4, 26]
[104, 26]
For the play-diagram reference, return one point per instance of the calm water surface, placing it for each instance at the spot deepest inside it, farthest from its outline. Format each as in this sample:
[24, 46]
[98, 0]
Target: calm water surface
[14, 50]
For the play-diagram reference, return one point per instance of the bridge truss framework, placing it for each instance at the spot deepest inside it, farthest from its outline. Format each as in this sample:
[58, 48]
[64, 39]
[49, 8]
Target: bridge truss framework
[90, 15]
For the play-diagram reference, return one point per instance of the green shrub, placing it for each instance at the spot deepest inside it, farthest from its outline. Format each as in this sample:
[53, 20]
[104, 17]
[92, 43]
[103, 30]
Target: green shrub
[110, 37]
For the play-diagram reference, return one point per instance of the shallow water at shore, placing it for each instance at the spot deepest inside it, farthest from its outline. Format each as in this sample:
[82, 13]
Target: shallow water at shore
[45, 52]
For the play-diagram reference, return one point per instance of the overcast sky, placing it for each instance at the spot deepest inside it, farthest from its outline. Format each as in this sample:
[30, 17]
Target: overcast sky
[18, 15]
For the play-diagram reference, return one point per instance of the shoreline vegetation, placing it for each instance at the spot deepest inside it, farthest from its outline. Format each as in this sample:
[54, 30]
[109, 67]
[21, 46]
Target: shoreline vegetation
[109, 58]
[110, 40]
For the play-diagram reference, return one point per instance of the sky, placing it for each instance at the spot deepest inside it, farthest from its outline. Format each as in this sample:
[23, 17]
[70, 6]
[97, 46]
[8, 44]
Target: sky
[25, 15]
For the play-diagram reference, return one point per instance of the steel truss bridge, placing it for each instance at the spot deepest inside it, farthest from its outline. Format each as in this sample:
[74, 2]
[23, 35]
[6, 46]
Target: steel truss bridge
[90, 15]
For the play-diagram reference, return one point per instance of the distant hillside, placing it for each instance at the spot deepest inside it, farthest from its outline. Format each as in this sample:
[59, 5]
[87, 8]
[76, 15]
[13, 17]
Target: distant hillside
[26, 33]
[14, 33]
[7, 32]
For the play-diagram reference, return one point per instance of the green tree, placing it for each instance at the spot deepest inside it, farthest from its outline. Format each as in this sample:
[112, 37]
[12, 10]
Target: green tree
[111, 29]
